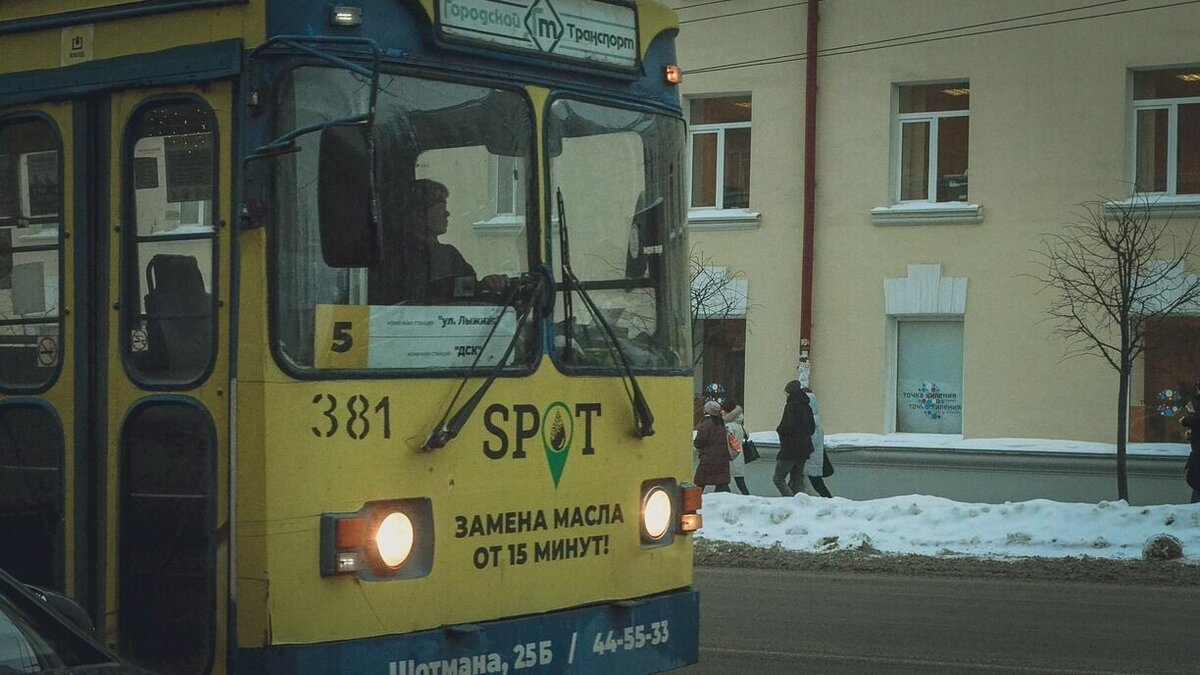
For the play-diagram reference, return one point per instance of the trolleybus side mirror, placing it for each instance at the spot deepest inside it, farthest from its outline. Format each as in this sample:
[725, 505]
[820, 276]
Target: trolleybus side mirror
[347, 204]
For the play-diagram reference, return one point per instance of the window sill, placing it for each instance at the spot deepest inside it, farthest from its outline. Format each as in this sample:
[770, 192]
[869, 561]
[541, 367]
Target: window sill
[722, 219]
[503, 223]
[928, 213]
[179, 230]
[1161, 206]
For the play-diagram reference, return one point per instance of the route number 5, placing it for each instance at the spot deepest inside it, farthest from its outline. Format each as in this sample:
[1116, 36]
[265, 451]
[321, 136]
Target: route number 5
[342, 340]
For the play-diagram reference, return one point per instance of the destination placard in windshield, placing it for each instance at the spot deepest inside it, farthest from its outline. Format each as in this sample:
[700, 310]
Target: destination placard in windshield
[375, 336]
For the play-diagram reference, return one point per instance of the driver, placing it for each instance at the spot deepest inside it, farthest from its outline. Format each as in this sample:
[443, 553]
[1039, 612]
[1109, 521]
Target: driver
[419, 269]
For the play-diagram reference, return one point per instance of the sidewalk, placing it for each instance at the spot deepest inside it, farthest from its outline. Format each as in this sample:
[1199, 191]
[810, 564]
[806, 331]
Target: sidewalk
[872, 466]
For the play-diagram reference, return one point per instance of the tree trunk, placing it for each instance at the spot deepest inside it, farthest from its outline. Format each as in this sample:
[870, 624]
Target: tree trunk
[1122, 432]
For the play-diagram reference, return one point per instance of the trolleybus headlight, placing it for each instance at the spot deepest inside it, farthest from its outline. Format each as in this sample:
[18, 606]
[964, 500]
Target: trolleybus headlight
[659, 512]
[656, 513]
[381, 541]
[394, 539]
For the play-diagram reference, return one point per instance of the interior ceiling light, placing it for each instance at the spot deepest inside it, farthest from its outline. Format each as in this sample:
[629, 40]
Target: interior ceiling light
[346, 15]
[1189, 77]
[957, 91]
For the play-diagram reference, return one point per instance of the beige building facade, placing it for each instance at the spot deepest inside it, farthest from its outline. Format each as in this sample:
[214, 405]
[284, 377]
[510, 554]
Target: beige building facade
[951, 137]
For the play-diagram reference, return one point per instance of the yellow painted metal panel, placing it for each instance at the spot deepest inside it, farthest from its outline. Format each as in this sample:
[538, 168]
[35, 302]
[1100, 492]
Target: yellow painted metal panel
[43, 49]
[28, 9]
[309, 471]
[312, 447]
[654, 18]
[213, 393]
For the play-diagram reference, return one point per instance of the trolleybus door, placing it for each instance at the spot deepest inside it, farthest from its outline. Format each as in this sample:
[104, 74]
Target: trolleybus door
[40, 498]
[166, 390]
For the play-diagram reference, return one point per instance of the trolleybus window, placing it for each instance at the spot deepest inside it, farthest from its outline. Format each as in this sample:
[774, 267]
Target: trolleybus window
[442, 295]
[32, 516]
[619, 172]
[170, 170]
[30, 214]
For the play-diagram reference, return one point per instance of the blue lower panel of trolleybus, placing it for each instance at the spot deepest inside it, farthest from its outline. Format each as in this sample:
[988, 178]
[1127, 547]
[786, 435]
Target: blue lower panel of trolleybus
[646, 635]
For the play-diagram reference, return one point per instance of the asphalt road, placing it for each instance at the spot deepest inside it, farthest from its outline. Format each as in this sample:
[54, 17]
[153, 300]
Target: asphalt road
[765, 621]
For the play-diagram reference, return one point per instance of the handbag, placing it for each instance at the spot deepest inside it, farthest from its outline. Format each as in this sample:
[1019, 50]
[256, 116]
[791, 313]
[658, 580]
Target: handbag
[827, 469]
[733, 445]
[749, 450]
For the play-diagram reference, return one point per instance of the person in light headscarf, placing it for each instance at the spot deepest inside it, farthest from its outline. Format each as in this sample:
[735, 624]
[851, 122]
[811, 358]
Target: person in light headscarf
[815, 467]
[731, 412]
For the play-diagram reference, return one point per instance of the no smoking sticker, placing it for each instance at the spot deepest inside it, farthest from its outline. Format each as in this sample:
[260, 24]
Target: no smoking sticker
[47, 352]
[138, 341]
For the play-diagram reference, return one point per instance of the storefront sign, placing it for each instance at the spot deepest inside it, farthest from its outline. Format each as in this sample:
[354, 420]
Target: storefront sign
[930, 407]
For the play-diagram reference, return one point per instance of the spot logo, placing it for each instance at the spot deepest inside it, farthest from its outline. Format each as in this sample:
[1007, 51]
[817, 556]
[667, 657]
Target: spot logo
[512, 426]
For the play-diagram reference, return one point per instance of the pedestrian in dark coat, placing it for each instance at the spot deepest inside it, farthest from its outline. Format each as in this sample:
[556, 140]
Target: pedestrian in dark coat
[795, 440]
[713, 446]
[1192, 471]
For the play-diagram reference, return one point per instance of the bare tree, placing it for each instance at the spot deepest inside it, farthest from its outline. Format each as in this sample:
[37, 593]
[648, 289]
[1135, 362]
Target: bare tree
[1113, 270]
[714, 296]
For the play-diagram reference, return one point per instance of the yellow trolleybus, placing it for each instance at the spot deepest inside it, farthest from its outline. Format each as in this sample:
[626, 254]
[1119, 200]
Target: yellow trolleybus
[349, 338]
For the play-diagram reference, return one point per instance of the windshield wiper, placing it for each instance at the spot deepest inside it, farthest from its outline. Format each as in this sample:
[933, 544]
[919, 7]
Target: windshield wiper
[643, 418]
[450, 425]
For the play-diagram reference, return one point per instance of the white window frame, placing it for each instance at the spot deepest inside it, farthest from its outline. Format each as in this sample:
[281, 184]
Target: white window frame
[922, 211]
[508, 186]
[933, 118]
[719, 130]
[505, 187]
[1171, 105]
[717, 216]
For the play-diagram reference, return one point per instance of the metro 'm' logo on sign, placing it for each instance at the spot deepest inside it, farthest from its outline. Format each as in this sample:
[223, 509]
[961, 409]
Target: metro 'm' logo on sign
[543, 25]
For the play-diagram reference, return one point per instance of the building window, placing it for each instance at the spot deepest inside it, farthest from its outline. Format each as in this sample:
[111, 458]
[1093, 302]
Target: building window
[933, 123]
[719, 303]
[510, 186]
[929, 377]
[1170, 367]
[1166, 120]
[720, 142]
[31, 208]
[720, 346]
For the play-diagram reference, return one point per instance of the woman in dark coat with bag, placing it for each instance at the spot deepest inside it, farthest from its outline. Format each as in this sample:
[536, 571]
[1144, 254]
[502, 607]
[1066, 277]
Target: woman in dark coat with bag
[1192, 468]
[713, 446]
[795, 440]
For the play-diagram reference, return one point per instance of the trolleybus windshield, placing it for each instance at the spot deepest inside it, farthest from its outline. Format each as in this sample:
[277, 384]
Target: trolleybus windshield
[452, 163]
[619, 172]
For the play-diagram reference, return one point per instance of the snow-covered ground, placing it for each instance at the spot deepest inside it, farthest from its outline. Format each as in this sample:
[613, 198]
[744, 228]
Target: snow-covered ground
[952, 442]
[934, 526]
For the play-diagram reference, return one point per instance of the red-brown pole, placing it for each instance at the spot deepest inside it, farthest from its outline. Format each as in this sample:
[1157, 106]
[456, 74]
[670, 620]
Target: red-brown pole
[810, 187]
